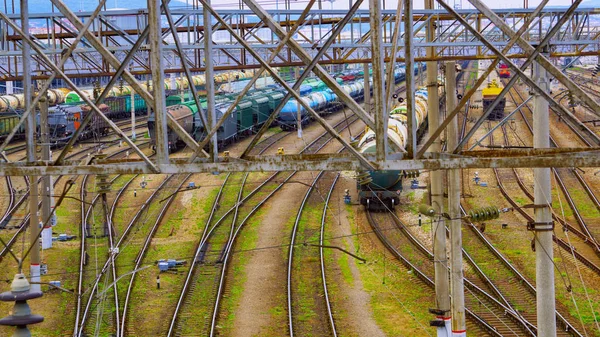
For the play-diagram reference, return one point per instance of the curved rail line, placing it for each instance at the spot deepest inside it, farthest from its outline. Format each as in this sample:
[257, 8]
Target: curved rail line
[479, 319]
[201, 247]
[584, 233]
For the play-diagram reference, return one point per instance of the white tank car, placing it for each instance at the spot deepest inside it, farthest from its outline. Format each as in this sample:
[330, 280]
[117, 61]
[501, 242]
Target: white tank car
[378, 188]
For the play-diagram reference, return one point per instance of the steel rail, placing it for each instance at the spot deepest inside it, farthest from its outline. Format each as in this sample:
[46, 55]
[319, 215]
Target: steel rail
[85, 214]
[108, 263]
[322, 259]
[420, 274]
[586, 235]
[142, 253]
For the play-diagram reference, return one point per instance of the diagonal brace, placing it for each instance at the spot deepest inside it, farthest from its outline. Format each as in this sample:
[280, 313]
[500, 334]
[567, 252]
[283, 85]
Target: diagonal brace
[286, 86]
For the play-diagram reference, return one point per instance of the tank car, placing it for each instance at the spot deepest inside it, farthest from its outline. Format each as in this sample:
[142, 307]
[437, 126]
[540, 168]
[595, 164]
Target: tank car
[17, 101]
[381, 189]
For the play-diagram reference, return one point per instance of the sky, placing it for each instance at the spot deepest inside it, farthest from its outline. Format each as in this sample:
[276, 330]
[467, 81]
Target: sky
[41, 6]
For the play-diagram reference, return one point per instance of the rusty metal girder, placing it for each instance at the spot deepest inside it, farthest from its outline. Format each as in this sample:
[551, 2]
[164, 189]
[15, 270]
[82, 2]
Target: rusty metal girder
[317, 162]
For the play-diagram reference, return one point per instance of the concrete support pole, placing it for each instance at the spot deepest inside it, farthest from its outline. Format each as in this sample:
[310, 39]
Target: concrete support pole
[210, 82]
[437, 191]
[367, 102]
[381, 113]
[546, 315]
[46, 180]
[34, 257]
[158, 81]
[459, 327]
[9, 87]
[132, 97]
[411, 142]
[298, 107]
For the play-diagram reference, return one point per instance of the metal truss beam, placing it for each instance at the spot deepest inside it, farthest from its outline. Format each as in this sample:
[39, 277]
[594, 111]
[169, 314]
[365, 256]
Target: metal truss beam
[306, 58]
[127, 76]
[477, 84]
[327, 162]
[541, 59]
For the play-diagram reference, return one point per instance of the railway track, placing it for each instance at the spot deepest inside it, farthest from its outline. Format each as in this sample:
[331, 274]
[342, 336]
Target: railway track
[487, 314]
[23, 224]
[515, 289]
[201, 251]
[583, 232]
[190, 286]
[86, 231]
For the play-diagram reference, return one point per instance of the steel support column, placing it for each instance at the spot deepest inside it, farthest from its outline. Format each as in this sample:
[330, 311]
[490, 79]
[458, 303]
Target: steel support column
[290, 90]
[513, 80]
[249, 85]
[411, 141]
[392, 57]
[541, 59]
[459, 327]
[479, 81]
[367, 82]
[158, 78]
[209, 76]
[544, 251]
[379, 92]
[127, 76]
[34, 258]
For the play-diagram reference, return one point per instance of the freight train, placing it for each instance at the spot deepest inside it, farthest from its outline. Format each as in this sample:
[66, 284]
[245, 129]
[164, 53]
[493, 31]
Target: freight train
[380, 190]
[12, 102]
[63, 119]
[377, 189]
[256, 107]
[322, 99]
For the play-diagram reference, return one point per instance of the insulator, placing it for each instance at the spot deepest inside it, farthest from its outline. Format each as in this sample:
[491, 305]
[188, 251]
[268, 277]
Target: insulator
[484, 214]
[364, 178]
[426, 210]
[410, 174]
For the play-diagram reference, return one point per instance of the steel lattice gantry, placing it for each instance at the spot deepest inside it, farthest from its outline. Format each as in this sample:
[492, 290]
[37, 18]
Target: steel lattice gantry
[68, 45]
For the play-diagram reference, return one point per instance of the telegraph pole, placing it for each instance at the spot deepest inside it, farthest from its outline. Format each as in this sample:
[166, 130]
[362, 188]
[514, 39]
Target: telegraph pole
[298, 106]
[132, 107]
[34, 257]
[543, 227]
[459, 327]
[47, 179]
[442, 310]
